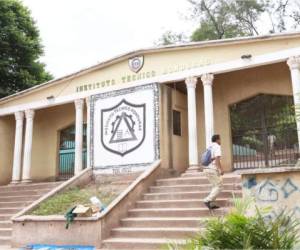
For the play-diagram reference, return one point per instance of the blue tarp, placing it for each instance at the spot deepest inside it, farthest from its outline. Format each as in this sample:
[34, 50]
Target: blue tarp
[57, 247]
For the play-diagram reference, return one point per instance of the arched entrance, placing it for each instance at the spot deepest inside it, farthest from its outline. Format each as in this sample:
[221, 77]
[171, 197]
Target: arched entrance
[67, 152]
[264, 132]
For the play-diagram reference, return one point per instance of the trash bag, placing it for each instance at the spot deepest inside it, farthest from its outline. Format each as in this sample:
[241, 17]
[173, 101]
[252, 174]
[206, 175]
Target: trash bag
[96, 202]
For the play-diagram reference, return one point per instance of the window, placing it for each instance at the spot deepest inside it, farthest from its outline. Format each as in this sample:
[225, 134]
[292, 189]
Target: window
[176, 122]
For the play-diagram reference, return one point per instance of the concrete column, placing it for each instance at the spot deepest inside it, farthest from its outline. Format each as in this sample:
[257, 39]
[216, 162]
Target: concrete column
[78, 135]
[88, 131]
[191, 83]
[207, 80]
[16, 173]
[26, 176]
[294, 64]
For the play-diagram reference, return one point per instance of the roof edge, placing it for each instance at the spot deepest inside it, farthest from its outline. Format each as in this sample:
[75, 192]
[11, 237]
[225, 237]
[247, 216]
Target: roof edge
[153, 49]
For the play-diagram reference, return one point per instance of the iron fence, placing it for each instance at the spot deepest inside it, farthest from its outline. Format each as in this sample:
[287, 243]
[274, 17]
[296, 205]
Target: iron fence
[264, 132]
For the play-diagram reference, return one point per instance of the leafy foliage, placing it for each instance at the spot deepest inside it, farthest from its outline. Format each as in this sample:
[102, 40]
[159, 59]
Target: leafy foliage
[20, 48]
[239, 231]
[218, 19]
[296, 14]
[225, 18]
[170, 37]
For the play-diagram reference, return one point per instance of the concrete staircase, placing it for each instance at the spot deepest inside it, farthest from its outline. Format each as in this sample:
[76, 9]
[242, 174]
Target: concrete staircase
[172, 210]
[13, 198]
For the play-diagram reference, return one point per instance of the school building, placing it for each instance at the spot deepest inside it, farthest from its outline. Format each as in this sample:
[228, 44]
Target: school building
[164, 103]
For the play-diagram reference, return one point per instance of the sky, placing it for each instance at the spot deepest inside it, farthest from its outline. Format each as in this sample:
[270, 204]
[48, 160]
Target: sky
[80, 33]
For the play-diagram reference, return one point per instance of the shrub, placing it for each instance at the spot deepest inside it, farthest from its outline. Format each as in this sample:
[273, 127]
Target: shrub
[239, 231]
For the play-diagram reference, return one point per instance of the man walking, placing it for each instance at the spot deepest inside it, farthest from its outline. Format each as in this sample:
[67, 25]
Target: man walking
[214, 171]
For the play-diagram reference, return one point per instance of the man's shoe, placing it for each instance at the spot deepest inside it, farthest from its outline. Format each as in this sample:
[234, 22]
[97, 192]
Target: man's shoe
[211, 206]
[207, 203]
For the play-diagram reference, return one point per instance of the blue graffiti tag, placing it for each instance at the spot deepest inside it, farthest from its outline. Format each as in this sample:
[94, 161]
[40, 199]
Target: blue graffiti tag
[268, 192]
[288, 188]
[250, 182]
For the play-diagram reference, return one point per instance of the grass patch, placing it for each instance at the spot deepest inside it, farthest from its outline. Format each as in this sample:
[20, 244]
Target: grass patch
[62, 202]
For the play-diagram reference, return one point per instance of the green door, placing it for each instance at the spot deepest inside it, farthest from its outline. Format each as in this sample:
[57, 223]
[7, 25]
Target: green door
[67, 152]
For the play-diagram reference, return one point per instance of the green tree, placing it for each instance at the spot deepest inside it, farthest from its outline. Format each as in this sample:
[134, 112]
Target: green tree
[296, 15]
[20, 49]
[170, 37]
[225, 18]
[278, 13]
[219, 19]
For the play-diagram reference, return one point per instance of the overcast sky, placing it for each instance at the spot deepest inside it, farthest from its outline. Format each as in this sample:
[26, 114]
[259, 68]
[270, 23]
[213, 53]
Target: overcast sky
[80, 33]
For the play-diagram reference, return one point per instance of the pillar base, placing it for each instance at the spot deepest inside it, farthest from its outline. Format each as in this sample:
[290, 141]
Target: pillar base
[14, 182]
[77, 173]
[172, 172]
[26, 181]
[194, 169]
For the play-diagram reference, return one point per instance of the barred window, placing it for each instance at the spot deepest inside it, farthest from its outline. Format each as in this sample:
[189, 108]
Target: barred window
[176, 123]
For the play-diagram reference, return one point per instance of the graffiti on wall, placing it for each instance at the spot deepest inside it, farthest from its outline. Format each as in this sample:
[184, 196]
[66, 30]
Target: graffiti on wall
[267, 192]
[281, 193]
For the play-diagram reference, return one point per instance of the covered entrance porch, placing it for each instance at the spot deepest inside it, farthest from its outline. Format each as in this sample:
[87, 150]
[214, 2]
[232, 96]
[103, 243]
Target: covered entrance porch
[48, 144]
[253, 109]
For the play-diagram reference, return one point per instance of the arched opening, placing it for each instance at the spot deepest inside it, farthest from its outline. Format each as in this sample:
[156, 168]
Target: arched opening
[67, 152]
[264, 132]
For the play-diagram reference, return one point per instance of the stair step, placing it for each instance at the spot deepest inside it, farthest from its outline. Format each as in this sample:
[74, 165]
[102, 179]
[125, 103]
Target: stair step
[10, 210]
[162, 232]
[23, 192]
[5, 240]
[6, 247]
[179, 203]
[189, 195]
[19, 198]
[5, 224]
[139, 243]
[178, 188]
[194, 180]
[193, 173]
[5, 217]
[15, 204]
[173, 212]
[198, 168]
[30, 186]
[163, 221]
[201, 173]
[5, 232]
[13, 198]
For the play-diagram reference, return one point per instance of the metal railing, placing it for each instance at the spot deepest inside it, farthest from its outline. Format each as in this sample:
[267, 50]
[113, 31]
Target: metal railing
[265, 150]
[264, 132]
